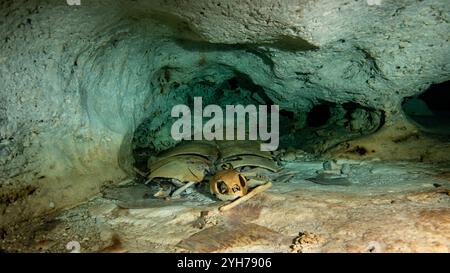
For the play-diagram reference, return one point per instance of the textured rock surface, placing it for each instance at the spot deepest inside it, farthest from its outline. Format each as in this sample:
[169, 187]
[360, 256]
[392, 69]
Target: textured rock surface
[388, 207]
[76, 81]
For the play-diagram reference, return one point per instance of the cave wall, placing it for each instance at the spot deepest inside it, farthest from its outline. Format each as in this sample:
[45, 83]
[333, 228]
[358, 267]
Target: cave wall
[76, 81]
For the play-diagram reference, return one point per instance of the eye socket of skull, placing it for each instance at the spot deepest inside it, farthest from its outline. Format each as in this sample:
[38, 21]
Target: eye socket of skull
[235, 188]
[228, 185]
[222, 187]
[242, 180]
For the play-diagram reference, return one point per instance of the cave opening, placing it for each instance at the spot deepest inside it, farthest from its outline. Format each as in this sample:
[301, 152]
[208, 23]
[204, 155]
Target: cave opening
[430, 110]
[437, 97]
[319, 115]
[153, 134]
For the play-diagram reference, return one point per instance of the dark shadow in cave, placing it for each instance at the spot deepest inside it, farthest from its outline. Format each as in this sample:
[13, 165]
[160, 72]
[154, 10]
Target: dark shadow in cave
[326, 125]
[238, 89]
[430, 111]
[319, 115]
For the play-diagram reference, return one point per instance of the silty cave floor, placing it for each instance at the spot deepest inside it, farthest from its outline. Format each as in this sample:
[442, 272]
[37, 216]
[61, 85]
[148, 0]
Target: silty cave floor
[381, 207]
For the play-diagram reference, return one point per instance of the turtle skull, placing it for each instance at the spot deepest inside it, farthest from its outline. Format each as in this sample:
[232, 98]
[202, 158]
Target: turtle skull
[228, 185]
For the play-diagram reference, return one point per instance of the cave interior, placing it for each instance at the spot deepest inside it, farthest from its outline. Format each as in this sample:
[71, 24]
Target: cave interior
[87, 93]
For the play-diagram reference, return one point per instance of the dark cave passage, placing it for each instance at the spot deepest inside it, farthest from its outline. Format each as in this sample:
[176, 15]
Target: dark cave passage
[152, 135]
[319, 115]
[437, 97]
[430, 111]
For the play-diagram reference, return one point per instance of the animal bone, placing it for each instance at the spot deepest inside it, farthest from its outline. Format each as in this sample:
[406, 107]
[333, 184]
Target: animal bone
[228, 185]
[238, 148]
[253, 161]
[190, 163]
[154, 165]
[285, 176]
[182, 170]
[254, 182]
[198, 148]
[182, 189]
[246, 197]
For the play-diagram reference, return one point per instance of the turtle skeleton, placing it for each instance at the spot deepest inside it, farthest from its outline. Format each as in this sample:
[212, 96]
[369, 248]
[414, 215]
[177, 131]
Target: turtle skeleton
[236, 175]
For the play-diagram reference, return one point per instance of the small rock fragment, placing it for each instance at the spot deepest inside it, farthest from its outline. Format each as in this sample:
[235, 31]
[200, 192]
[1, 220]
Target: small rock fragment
[304, 241]
[289, 156]
[345, 169]
[331, 165]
